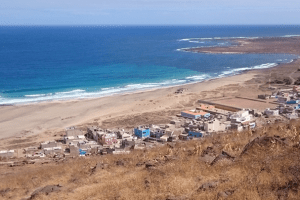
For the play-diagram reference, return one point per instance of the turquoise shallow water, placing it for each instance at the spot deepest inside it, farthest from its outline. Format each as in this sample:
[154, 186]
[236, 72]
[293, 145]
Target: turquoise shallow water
[56, 63]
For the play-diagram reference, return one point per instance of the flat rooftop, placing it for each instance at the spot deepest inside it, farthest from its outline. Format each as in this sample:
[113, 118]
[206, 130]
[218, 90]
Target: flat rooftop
[245, 103]
[195, 113]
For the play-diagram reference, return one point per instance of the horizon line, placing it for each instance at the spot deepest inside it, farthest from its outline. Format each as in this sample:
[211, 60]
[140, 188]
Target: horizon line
[138, 25]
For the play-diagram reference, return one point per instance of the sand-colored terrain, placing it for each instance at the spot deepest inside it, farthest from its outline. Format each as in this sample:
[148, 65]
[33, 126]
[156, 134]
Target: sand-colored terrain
[244, 103]
[50, 118]
[26, 125]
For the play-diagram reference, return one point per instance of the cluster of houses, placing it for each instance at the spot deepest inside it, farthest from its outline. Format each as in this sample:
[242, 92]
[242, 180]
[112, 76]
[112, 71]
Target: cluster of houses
[199, 123]
[190, 124]
[206, 119]
[288, 103]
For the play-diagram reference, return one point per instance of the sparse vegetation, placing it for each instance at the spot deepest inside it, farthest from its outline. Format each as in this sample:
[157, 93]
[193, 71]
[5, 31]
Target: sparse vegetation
[261, 164]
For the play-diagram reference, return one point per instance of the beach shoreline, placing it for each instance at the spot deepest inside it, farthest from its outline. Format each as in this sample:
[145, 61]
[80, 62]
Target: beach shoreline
[42, 121]
[80, 92]
[146, 90]
[49, 110]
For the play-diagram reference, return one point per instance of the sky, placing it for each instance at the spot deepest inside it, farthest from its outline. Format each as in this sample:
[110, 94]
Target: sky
[149, 12]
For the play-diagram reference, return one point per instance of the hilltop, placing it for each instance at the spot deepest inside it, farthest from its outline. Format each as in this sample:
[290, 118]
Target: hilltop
[254, 164]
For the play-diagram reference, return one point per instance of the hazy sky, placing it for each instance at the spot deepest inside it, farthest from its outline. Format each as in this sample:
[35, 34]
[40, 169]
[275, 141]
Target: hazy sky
[148, 12]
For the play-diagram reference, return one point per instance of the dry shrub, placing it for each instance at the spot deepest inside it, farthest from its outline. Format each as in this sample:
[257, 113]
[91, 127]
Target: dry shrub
[269, 169]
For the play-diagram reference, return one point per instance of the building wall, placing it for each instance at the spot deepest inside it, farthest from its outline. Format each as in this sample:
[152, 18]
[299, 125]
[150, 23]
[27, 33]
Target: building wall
[187, 115]
[142, 132]
[183, 137]
[206, 115]
[283, 99]
[221, 106]
[159, 133]
[108, 139]
[272, 112]
[73, 132]
[195, 134]
[183, 114]
[7, 155]
[48, 145]
[214, 126]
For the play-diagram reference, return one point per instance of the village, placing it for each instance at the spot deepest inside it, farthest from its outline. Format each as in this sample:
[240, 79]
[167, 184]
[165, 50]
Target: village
[207, 119]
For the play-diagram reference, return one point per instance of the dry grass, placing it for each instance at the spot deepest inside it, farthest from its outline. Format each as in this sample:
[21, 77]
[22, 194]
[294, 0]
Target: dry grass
[267, 169]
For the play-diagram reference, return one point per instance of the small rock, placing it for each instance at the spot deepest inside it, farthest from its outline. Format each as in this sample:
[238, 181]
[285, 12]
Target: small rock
[99, 166]
[208, 185]
[147, 183]
[140, 164]
[149, 165]
[176, 198]
[225, 194]
[120, 163]
[102, 166]
[170, 158]
[3, 192]
[207, 159]
[46, 190]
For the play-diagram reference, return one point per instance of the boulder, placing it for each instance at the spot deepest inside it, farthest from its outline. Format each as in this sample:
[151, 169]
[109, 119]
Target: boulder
[46, 190]
[120, 163]
[223, 156]
[208, 186]
[225, 194]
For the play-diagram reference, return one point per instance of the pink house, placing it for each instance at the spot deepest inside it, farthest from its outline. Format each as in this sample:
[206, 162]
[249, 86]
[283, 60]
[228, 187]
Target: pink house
[108, 139]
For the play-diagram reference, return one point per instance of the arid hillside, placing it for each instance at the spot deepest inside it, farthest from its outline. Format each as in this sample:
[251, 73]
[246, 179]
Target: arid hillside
[260, 164]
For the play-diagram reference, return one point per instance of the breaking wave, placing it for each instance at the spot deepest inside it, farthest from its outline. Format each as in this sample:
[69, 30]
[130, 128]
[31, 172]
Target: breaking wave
[291, 36]
[226, 38]
[80, 93]
[199, 77]
[239, 70]
[215, 38]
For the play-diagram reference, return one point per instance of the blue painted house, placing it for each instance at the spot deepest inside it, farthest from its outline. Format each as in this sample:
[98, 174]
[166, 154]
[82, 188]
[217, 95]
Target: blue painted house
[142, 132]
[81, 152]
[195, 134]
[292, 102]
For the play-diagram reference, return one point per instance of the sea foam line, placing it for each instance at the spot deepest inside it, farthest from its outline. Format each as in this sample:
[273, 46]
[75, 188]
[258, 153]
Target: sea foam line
[80, 93]
[239, 70]
[226, 38]
[217, 38]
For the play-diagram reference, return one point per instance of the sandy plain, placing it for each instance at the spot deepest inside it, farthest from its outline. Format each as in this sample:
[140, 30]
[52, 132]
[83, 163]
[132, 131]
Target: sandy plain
[26, 125]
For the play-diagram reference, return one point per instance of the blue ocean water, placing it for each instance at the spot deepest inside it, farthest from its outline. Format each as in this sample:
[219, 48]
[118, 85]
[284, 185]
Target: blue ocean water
[51, 63]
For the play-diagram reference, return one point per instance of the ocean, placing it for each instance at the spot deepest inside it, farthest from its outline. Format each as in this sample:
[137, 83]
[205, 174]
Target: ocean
[46, 63]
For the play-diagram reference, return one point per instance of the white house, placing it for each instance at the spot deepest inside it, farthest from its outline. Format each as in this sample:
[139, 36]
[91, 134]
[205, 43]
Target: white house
[271, 112]
[241, 117]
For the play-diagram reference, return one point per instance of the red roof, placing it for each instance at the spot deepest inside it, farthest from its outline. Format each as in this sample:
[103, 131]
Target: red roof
[195, 113]
[203, 106]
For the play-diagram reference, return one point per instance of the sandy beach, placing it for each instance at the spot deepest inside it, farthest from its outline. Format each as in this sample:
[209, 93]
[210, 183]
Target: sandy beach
[48, 118]
[25, 125]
